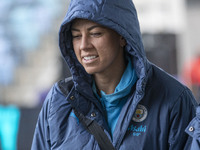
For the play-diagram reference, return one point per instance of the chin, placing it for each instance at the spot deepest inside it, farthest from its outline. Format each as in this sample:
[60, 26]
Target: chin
[91, 71]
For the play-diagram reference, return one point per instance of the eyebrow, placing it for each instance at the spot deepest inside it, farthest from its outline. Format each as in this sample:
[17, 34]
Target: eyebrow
[89, 29]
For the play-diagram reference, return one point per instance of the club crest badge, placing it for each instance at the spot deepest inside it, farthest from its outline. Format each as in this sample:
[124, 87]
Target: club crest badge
[140, 113]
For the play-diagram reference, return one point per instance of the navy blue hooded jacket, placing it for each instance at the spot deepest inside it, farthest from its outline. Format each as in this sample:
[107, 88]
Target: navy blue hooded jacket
[156, 113]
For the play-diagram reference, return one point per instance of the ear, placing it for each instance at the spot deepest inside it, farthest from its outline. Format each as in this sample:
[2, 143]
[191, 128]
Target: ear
[122, 41]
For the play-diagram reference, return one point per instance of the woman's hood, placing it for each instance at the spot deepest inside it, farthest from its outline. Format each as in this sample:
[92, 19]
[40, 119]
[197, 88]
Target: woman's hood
[119, 15]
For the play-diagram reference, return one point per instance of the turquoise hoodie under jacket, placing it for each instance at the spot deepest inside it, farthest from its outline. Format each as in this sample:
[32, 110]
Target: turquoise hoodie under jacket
[156, 113]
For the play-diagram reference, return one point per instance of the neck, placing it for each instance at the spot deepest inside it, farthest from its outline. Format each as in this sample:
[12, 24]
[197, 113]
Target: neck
[107, 82]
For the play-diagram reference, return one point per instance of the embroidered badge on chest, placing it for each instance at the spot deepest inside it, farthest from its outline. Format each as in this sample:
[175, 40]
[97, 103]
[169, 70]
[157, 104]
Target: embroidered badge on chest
[140, 113]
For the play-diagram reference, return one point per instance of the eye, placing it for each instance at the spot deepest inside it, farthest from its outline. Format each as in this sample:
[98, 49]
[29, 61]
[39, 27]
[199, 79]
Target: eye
[76, 36]
[96, 34]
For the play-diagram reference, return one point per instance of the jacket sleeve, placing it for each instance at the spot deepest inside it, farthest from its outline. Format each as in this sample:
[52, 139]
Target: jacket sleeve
[193, 130]
[182, 112]
[41, 137]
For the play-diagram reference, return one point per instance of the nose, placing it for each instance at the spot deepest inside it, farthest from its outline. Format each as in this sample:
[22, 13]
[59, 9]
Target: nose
[85, 43]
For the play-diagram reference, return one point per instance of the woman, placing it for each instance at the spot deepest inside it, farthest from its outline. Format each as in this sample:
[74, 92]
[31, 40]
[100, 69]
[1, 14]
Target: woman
[114, 86]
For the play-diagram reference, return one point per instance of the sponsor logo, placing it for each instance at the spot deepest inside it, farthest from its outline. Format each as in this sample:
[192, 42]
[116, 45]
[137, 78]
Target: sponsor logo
[137, 131]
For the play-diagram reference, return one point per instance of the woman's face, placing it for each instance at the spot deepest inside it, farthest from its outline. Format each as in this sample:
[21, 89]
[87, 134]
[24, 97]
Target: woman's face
[97, 48]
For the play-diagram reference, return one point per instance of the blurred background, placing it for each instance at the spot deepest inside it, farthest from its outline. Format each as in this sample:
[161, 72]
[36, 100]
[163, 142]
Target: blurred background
[30, 61]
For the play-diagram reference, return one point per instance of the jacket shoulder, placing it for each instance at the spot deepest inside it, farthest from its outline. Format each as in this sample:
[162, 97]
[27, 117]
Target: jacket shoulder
[55, 109]
[57, 96]
[65, 85]
[165, 81]
[166, 84]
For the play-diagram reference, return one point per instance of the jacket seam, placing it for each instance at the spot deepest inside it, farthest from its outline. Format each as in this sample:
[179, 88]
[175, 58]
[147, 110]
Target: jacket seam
[50, 104]
[170, 141]
[179, 98]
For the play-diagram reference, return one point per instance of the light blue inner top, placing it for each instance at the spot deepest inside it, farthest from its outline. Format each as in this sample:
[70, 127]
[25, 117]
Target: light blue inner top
[114, 102]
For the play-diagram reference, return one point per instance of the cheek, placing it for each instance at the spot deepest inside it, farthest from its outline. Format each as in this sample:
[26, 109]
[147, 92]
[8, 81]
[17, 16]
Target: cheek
[111, 46]
[113, 41]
